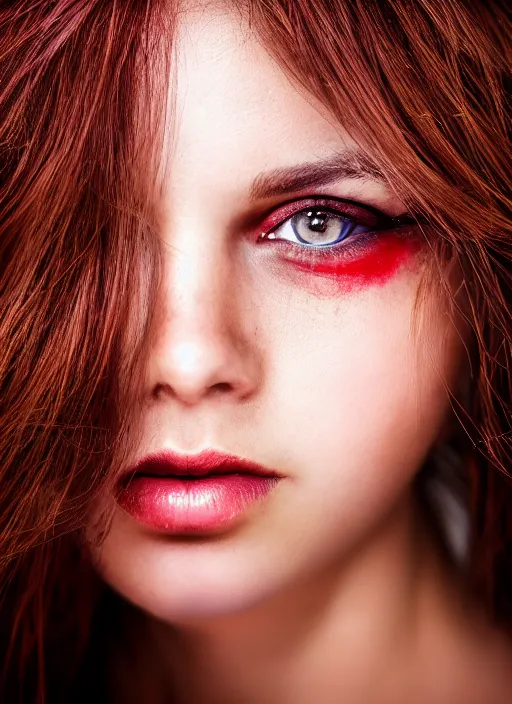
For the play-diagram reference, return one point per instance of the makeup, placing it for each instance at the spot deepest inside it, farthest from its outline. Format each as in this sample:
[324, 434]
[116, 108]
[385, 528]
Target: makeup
[350, 268]
[375, 263]
[353, 260]
[190, 494]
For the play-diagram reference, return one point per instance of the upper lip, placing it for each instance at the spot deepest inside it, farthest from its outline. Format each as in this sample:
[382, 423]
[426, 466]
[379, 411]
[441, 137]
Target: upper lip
[205, 463]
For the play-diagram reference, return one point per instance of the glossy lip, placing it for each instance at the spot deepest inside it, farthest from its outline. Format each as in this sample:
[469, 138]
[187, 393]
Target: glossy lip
[204, 493]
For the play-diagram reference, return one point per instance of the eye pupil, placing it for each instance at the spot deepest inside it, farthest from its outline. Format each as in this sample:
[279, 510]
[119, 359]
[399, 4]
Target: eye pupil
[318, 220]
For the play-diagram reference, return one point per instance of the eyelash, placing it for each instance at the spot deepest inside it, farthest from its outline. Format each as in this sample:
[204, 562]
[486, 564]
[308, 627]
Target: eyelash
[353, 212]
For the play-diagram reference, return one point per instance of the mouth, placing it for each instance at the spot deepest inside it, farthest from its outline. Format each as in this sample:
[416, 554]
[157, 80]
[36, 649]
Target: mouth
[181, 494]
[189, 467]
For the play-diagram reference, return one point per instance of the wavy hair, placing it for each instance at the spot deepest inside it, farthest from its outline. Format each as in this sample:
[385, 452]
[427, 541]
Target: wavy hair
[423, 87]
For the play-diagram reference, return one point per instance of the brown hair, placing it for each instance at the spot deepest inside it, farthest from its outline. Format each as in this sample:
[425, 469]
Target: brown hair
[425, 90]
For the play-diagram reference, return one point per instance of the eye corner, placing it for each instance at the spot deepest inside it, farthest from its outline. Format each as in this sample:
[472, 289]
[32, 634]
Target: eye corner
[269, 235]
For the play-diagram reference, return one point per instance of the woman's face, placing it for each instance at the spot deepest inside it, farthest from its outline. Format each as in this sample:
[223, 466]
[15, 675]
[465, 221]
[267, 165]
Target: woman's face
[282, 350]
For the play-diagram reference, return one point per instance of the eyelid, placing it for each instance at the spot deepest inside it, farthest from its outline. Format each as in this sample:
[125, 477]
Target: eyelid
[362, 215]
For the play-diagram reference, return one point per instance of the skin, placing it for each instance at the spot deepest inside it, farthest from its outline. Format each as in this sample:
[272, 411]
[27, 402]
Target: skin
[332, 589]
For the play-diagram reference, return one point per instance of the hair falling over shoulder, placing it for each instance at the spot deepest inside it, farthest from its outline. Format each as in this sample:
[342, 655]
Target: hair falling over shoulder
[423, 87]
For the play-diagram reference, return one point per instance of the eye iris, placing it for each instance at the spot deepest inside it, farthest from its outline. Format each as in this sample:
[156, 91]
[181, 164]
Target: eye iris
[318, 227]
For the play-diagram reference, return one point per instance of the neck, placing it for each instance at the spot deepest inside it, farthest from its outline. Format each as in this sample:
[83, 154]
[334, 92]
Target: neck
[330, 638]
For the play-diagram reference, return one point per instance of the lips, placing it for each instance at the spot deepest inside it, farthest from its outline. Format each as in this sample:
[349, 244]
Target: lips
[187, 494]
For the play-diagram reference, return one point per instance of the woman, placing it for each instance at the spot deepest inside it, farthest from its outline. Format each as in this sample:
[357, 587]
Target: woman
[256, 295]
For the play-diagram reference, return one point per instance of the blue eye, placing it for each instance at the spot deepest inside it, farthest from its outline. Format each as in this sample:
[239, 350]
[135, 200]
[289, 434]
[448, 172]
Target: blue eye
[319, 227]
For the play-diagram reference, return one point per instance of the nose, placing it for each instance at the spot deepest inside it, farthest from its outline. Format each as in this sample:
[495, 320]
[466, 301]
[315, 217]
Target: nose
[203, 346]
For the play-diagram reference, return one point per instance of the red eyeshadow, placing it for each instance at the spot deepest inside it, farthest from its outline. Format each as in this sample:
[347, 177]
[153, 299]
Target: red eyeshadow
[376, 265]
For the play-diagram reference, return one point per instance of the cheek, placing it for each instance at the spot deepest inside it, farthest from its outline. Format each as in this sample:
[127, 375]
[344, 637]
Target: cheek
[359, 389]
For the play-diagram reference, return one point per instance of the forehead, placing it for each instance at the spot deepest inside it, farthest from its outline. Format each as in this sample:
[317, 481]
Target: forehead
[234, 107]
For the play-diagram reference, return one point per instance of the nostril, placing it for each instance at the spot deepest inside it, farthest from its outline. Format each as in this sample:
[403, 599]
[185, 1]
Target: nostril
[222, 387]
[160, 389]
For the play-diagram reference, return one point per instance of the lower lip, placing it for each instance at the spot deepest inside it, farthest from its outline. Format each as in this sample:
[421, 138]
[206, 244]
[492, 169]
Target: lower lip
[187, 506]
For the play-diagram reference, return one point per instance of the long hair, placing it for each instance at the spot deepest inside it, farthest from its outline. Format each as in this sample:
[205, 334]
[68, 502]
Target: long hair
[78, 276]
[423, 87]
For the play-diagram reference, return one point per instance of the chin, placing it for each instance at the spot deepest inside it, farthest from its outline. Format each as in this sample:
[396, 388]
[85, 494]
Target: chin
[188, 580]
[170, 599]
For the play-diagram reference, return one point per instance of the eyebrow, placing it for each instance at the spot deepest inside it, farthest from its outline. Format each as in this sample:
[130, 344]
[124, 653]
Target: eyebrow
[350, 164]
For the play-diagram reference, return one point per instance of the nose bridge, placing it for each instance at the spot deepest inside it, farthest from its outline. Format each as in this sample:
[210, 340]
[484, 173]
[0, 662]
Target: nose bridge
[200, 311]
[194, 290]
[200, 344]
